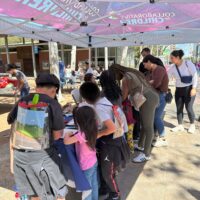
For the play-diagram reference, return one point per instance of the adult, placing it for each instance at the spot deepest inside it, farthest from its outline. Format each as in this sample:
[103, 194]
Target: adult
[22, 85]
[158, 78]
[38, 122]
[89, 69]
[145, 52]
[186, 77]
[133, 82]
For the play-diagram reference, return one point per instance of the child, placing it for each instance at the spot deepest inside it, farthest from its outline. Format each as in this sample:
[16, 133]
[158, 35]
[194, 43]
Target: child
[85, 142]
[110, 150]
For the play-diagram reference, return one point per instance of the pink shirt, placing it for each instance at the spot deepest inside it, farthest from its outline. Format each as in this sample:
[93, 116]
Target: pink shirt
[86, 156]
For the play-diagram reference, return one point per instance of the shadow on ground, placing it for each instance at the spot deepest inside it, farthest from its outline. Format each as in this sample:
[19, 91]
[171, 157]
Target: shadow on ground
[194, 193]
[5, 107]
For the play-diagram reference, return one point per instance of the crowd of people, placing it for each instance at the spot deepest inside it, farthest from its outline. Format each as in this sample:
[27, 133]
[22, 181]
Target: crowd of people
[127, 106]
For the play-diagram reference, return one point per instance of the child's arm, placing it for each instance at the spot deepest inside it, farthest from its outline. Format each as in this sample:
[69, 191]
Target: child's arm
[70, 139]
[109, 128]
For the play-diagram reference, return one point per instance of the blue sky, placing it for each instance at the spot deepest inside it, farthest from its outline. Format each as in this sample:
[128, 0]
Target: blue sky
[186, 48]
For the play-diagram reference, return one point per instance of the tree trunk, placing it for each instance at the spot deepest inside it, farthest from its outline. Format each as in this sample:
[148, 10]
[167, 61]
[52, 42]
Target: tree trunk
[54, 62]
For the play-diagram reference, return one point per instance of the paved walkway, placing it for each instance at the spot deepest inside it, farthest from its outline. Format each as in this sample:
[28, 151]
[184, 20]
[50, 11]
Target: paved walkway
[172, 174]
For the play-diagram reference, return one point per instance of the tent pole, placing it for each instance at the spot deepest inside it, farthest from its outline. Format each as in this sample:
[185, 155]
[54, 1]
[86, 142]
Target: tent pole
[7, 50]
[106, 57]
[90, 57]
[73, 58]
[33, 59]
[96, 60]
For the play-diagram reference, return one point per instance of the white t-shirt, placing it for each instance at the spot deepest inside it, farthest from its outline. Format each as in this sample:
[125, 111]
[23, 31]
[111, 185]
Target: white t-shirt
[105, 112]
[188, 69]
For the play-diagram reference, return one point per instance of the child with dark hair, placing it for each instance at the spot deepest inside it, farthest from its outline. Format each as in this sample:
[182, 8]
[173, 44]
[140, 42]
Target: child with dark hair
[85, 142]
[89, 78]
[110, 153]
[113, 93]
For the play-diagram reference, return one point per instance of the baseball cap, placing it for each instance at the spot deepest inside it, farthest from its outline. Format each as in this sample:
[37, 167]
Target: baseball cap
[46, 79]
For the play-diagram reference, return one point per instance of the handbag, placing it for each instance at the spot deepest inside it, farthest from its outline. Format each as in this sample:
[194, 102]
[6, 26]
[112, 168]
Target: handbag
[138, 99]
[168, 97]
[184, 79]
[118, 123]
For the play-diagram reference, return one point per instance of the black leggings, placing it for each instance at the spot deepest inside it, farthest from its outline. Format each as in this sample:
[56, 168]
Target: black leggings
[182, 97]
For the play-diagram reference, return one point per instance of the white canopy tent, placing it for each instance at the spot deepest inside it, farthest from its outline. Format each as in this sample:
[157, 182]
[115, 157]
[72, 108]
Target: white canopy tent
[103, 23]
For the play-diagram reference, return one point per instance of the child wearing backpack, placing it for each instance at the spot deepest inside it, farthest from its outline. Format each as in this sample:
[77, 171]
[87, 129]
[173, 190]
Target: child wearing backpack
[85, 142]
[110, 154]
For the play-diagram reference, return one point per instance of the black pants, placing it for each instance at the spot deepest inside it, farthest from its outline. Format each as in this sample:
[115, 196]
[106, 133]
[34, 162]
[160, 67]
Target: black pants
[136, 130]
[107, 170]
[182, 97]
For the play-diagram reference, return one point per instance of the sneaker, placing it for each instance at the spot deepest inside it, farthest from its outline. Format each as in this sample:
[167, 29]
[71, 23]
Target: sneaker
[178, 128]
[113, 197]
[137, 148]
[141, 158]
[160, 142]
[192, 129]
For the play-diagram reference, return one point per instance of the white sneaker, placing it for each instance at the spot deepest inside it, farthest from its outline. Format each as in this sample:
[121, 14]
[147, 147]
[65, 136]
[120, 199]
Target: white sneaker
[141, 158]
[137, 148]
[160, 142]
[178, 128]
[192, 129]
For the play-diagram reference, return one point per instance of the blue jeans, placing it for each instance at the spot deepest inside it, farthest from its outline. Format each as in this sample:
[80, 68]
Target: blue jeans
[158, 121]
[24, 92]
[92, 177]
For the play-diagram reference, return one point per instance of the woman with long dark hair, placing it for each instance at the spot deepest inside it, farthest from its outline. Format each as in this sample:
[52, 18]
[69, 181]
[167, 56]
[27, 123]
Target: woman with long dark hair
[113, 93]
[186, 77]
[134, 82]
[110, 88]
[158, 78]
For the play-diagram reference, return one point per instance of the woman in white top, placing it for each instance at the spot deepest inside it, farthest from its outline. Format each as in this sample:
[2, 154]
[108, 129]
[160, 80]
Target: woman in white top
[186, 77]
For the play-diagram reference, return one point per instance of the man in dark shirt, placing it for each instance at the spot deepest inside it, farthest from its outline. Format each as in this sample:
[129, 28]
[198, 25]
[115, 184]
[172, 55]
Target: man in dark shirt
[22, 85]
[37, 170]
[144, 53]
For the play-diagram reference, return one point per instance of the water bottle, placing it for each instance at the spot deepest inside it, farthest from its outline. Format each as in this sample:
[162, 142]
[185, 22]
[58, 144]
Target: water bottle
[24, 197]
